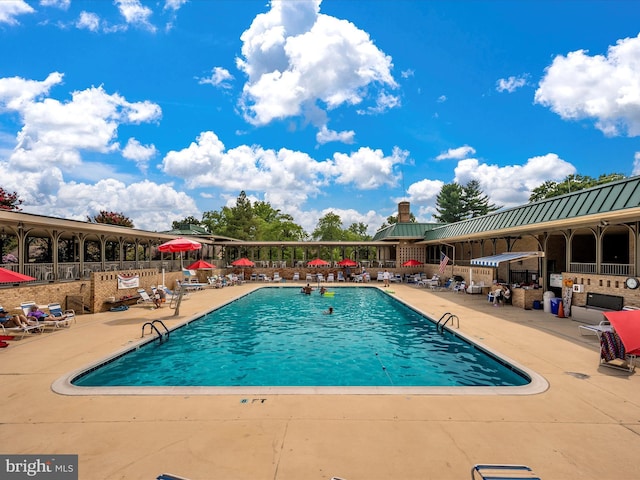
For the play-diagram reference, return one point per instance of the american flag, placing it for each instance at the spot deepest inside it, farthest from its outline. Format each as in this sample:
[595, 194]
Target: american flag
[444, 260]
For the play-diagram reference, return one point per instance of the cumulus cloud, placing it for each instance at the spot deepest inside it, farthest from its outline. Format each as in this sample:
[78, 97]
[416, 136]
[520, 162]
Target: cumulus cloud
[88, 21]
[636, 164]
[141, 154]
[220, 77]
[174, 4]
[289, 175]
[325, 135]
[136, 14]
[57, 132]
[604, 88]
[297, 59]
[457, 153]
[9, 11]
[512, 185]
[511, 84]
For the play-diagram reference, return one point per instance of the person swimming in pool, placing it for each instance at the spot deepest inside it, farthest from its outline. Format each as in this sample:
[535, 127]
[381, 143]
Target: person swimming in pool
[306, 290]
[328, 312]
[322, 290]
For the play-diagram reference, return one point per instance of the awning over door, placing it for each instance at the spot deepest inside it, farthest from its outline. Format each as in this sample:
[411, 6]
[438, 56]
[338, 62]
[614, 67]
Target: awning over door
[495, 260]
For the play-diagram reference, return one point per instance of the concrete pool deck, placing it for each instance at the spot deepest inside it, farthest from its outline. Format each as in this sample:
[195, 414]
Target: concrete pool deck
[585, 425]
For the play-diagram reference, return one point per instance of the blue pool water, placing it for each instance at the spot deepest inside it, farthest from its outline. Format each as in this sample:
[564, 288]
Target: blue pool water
[278, 337]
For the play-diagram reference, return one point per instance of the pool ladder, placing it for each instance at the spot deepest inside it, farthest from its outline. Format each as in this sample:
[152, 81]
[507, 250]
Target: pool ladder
[152, 327]
[444, 319]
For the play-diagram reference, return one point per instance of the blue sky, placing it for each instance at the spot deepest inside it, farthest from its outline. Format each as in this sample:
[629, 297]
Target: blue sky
[162, 109]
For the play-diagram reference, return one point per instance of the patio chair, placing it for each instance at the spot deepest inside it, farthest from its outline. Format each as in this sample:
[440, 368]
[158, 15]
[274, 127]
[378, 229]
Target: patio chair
[320, 277]
[23, 330]
[144, 297]
[612, 353]
[380, 277]
[277, 277]
[309, 277]
[330, 277]
[502, 472]
[58, 318]
[296, 276]
[603, 326]
[341, 277]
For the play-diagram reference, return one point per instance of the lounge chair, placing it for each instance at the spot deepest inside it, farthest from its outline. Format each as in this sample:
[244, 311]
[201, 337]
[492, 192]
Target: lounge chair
[603, 326]
[296, 276]
[58, 318]
[380, 277]
[23, 330]
[277, 277]
[502, 472]
[330, 277]
[144, 297]
[170, 476]
[341, 277]
[309, 277]
[320, 277]
[460, 287]
[612, 353]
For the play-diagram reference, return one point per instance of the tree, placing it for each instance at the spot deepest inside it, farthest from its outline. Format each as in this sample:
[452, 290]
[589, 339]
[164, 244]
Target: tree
[571, 183]
[329, 227]
[111, 218]
[9, 201]
[449, 204]
[455, 203]
[476, 203]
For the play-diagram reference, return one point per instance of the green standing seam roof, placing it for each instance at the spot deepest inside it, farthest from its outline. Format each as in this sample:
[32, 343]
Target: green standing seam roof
[404, 230]
[602, 199]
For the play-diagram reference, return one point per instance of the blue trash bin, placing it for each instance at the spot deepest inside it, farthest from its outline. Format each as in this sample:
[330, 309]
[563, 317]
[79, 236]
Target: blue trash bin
[555, 303]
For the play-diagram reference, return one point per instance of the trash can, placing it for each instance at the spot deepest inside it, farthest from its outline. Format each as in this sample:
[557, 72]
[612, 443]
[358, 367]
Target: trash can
[555, 303]
[547, 296]
[537, 305]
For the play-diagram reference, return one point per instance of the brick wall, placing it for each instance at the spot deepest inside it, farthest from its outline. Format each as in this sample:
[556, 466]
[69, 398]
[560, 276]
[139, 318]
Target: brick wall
[602, 284]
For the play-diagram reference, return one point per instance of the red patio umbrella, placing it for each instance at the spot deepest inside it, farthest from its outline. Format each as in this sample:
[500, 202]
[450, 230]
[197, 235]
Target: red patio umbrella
[317, 262]
[411, 263]
[626, 323]
[9, 276]
[347, 262]
[180, 244]
[243, 262]
[198, 264]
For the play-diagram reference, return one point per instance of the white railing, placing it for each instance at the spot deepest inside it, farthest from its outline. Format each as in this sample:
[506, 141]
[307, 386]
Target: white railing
[616, 269]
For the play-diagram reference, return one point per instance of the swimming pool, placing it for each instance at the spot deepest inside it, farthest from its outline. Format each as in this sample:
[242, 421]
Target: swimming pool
[276, 338]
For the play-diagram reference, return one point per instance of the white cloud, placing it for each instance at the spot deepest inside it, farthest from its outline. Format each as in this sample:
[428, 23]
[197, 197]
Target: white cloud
[62, 4]
[297, 59]
[56, 133]
[457, 153]
[136, 14]
[511, 84]
[367, 168]
[88, 21]
[605, 88]
[512, 185]
[141, 154]
[636, 164]
[325, 135]
[219, 78]
[174, 4]
[16, 92]
[442, 99]
[10, 10]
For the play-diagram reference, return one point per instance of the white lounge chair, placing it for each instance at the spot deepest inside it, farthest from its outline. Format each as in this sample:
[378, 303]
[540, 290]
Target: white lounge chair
[144, 297]
[59, 318]
[330, 277]
[603, 326]
[277, 277]
[341, 277]
[22, 330]
[296, 276]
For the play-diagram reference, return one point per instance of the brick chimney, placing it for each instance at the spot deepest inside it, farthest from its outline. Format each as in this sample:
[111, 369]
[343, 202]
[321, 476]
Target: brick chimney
[404, 212]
